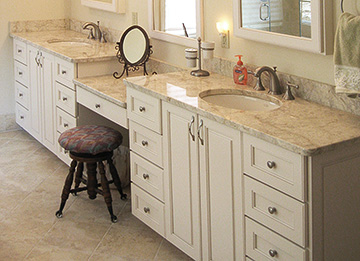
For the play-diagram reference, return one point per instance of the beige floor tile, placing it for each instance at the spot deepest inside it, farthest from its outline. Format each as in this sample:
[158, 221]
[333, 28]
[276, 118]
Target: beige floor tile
[43, 252]
[167, 251]
[10, 134]
[130, 242]
[14, 251]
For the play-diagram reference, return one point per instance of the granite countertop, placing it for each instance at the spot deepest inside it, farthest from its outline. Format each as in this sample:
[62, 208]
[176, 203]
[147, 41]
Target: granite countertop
[303, 127]
[59, 44]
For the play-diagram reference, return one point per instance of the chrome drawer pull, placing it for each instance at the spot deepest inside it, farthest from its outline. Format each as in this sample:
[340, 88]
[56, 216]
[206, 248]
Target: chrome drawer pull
[66, 125]
[190, 126]
[271, 164]
[146, 209]
[141, 108]
[272, 210]
[146, 176]
[199, 132]
[20, 73]
[22, 117]
[97, 106]
[144, 143]
[19, 51]
[63, 72]
[64, 98]
[20, 94]
[272, 253]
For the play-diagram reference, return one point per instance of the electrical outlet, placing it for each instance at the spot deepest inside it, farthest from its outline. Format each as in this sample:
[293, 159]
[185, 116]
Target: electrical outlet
[225, 40]
[135, 19]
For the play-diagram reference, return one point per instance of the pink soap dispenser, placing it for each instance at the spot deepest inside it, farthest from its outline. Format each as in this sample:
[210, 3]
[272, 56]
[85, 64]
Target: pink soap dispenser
[240, 72]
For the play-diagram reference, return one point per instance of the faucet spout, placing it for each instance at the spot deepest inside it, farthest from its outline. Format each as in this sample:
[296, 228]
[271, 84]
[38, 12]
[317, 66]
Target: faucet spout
[96, 29]
[274, 87]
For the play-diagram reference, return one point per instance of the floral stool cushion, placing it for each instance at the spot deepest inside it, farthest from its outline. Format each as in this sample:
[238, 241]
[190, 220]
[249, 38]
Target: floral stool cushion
[90, 139]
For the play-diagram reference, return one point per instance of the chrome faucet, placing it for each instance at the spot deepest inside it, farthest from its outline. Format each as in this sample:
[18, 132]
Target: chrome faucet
[274, 87]
[95, 32]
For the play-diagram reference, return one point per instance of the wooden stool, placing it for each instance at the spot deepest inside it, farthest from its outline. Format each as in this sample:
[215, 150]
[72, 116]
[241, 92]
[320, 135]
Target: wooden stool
[91, 145]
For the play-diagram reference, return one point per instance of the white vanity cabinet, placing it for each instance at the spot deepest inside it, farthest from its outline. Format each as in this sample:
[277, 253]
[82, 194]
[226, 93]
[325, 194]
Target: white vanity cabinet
[42, 99]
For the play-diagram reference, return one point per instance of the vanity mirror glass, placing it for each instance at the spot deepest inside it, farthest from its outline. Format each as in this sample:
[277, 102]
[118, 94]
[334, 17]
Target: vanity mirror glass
[298, 24]
[134, 50]
[176, 21]
[117, 6]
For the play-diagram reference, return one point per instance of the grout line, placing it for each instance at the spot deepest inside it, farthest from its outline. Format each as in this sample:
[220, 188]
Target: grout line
[158, 250]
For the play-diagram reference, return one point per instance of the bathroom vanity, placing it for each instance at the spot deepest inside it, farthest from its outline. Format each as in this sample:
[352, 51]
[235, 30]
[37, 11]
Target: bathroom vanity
[218, 183]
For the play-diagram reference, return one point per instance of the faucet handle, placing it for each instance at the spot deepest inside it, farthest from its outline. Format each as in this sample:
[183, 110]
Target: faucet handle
[288, 94]
[91, 33]
[275, 68]
[103, 39]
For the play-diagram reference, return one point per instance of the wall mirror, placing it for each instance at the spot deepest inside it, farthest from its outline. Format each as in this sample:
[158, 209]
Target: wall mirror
[299, 24]
[134, 50]
[176, 21]
[116, 6]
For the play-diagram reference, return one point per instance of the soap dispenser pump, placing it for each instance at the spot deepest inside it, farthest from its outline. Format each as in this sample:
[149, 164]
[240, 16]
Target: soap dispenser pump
[240, 73]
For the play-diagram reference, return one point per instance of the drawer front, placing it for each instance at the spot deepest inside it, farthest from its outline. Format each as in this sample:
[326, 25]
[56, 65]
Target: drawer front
[62, 154]
[263, 244]
[64, 121]
[65, 99]
[103, 107]
[21, 73]
[147, 176]
[148, 209]
[22, 116]
[283, 214]
[275, 166]
[22, 95]
[146, 143]
[64, 72]
[144, 109]
[20, 51]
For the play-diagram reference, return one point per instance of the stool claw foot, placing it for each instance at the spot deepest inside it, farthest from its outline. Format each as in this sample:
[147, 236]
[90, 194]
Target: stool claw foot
[58, 214]
[114, 219]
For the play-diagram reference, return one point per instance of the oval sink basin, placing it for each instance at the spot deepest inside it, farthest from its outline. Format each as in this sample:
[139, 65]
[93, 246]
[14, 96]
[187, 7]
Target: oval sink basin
[240, 100]
[74, 42]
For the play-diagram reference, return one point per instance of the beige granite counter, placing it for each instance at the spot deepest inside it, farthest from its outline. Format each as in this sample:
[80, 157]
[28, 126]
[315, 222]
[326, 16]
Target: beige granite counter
[300, 126]
[85, 51]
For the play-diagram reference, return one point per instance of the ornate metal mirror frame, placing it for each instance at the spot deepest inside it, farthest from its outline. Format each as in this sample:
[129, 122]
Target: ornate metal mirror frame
[123, 58]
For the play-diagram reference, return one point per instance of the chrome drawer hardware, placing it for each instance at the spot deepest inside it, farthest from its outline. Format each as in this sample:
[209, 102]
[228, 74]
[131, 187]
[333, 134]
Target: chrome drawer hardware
[20, 73]
[64, 99]
[144, 143]
[146, 176]
[272, 253]
[190, 125]
[20, 94]
[63, 72]
[141, 108]
[146, 209]
[272, 210]
[198, 132]
[66, 125]
[22, 117]
[19, 51]
[97, 106]
[271, 164]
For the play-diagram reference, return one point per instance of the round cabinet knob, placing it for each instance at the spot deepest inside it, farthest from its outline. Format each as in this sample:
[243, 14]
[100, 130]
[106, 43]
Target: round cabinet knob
[66, 125]
[144, 143]
[146, 176]
[272, 253]
[63, 72]
[97, 106]
[64, 98]
[20, 94]
[271, 164]
[66, 151]
[141, 108]
[272, 210]
[146, 209]
[22, 117]
[20, 73]
[19, 51]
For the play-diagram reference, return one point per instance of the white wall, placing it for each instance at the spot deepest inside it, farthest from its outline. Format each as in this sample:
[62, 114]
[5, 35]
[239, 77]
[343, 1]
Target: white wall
[20, 10]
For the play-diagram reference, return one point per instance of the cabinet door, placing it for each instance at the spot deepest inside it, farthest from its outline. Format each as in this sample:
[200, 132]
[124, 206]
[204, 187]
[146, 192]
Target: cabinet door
[220, 178]
[48, 101]
[35, 94]
[182, 191]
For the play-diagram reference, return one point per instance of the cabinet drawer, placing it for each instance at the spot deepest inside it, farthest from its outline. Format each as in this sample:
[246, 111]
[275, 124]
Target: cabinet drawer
[62, 154]
[22, 95]
[263, 244]
[148, 209]
[22, 116]
[64, 121]
[279, 212]
[64, 72]
[147, 176]
[21, 73]
[65, 99]
[102, 107]
[144, 109]
[20, 51]
[146, 143]
[275, 166]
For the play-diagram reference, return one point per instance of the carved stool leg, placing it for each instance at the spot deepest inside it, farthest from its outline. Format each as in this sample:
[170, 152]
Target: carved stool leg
[66, 189]
[78, 176]
[116, 178]
[91, 181]
[106, 191]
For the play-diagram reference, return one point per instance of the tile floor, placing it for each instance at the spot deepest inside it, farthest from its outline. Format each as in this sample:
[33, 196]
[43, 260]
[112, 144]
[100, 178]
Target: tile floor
[31, 183]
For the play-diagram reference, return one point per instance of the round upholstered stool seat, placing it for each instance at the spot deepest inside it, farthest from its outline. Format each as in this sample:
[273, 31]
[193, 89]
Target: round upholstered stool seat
[91, 144]
[90, 139]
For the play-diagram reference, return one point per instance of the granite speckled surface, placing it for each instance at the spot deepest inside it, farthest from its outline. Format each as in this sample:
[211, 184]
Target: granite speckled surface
[300, 126]
[61, 44]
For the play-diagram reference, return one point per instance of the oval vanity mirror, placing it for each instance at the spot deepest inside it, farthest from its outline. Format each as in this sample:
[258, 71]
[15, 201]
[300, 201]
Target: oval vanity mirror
[134, 50]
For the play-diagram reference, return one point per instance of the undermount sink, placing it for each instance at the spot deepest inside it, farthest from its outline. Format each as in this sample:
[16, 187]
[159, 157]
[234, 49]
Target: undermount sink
[240, 99]
[72, 42]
